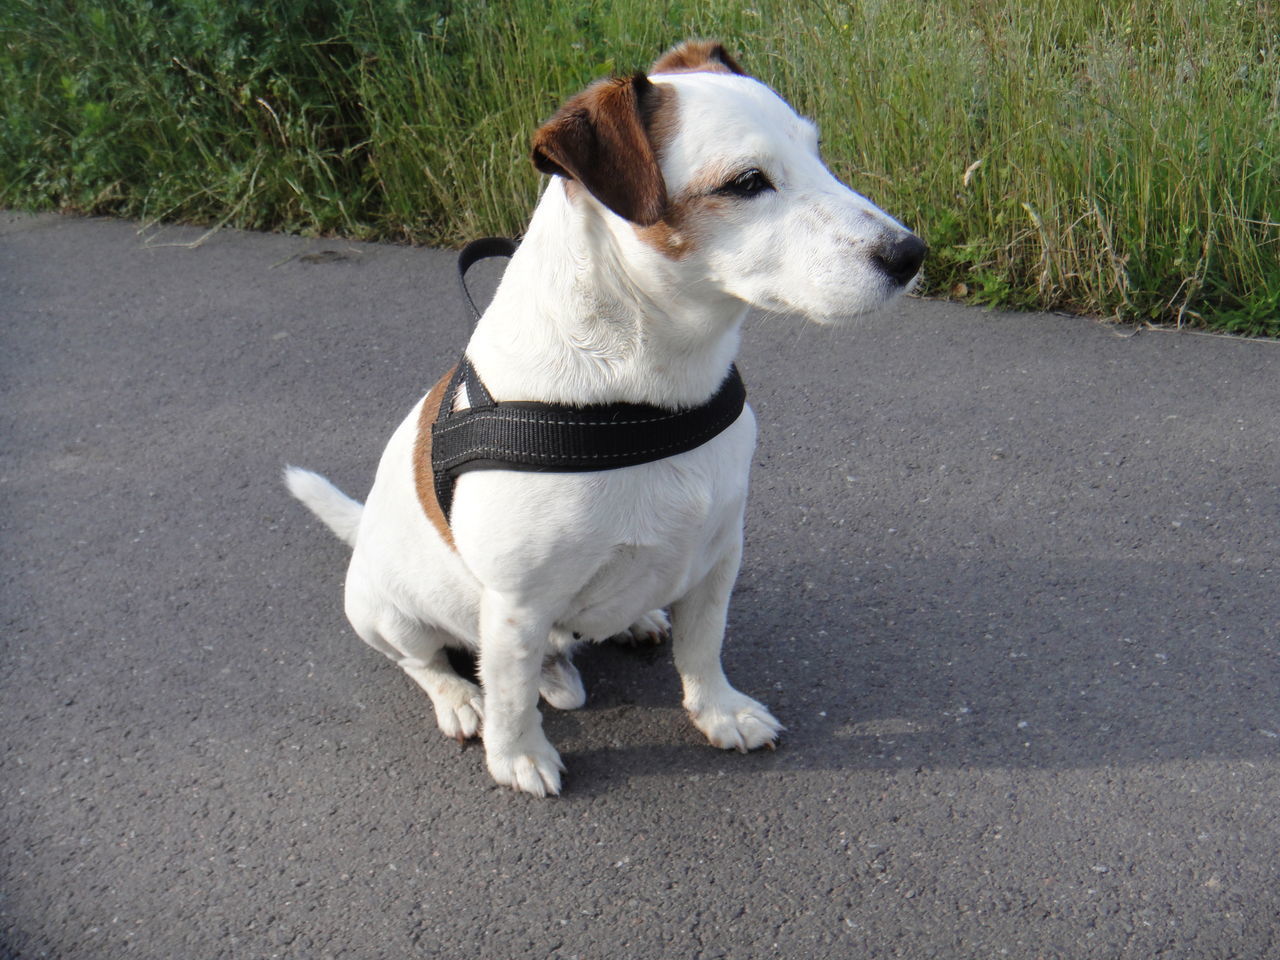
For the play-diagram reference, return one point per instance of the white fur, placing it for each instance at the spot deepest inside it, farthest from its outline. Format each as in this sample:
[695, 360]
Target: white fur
[339, 512]
[588, 312]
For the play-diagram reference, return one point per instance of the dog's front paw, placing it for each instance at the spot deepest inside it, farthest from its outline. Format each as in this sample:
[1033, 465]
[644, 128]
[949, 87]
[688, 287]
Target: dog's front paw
[650, 630]
[733, 721]
[532, 765]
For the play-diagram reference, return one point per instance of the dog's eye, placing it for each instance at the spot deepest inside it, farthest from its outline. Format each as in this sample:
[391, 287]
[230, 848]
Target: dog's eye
[747, 184]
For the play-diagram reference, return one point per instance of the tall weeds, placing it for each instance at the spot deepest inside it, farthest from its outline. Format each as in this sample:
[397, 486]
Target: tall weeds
[1120, 159]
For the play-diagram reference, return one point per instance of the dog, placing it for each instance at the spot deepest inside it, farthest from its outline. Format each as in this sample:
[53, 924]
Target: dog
[677, 200]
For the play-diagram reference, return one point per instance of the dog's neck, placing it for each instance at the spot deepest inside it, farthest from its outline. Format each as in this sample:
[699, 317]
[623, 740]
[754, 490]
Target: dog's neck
[587, 313]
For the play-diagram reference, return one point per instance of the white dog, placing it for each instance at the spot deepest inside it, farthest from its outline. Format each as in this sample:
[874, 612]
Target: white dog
[677, 201]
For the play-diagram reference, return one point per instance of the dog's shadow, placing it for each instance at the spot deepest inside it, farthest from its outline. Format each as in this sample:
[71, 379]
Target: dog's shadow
[1083, 671]
[936, 667]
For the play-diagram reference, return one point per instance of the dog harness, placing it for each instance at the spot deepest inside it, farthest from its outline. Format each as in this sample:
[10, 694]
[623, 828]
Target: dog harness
[545, 437]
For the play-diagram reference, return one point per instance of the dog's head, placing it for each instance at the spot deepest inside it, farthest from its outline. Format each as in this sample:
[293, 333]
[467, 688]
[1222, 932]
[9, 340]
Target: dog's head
[710, 172]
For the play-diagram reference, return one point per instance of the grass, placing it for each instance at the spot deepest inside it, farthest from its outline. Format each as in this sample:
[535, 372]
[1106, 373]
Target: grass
[1120, 159]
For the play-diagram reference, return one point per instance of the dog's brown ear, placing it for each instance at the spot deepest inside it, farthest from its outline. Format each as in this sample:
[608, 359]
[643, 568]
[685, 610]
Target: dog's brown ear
[692, 56]
[601, 139]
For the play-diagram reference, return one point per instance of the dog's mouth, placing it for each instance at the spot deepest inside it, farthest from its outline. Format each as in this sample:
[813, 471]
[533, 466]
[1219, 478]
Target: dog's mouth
[868, 300]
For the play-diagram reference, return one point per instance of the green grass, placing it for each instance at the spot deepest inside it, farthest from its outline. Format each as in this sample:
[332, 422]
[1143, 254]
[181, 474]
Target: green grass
[1120, 159]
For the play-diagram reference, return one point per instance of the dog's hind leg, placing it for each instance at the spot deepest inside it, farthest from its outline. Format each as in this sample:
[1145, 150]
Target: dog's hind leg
[419, 649]
[459, 703]
[560, 683]
[650, 630]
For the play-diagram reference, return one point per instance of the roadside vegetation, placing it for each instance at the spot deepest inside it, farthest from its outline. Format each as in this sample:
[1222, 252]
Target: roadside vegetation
[1120, 159]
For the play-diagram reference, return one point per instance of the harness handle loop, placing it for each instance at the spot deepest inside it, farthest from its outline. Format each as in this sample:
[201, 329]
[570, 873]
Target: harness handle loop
[473, 253]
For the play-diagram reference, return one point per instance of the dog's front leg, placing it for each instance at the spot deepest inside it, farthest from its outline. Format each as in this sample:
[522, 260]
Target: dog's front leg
[513, 643]
[730, 720]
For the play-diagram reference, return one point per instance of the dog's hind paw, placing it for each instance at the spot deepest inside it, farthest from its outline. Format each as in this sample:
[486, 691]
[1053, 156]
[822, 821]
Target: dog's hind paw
[736, 722]
[650, 630]
[459, 703]
[461, 720]
[561, 684]
[533, 768]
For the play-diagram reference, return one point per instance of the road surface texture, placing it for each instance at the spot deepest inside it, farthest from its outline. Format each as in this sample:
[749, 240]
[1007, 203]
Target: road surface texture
[1011, 582]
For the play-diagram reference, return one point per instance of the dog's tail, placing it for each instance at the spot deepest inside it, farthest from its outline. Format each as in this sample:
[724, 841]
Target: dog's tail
[339, 512]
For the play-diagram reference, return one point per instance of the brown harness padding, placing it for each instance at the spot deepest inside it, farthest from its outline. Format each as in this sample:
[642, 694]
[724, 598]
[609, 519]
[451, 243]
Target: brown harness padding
[423, 474]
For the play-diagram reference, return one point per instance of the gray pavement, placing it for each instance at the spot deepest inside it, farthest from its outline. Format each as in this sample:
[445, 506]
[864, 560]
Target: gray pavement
[1011, 582]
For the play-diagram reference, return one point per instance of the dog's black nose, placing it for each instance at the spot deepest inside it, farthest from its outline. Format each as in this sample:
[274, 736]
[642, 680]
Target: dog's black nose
[900, 259]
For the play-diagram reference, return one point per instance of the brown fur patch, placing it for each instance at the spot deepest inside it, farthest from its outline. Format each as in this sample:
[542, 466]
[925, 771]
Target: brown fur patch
[697, 56]
[676, 235]
[600, 138]
[662, 121]
[423, 475]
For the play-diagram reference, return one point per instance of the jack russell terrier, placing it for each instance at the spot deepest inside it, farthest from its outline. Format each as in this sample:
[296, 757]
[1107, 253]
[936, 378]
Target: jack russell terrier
[677, 201]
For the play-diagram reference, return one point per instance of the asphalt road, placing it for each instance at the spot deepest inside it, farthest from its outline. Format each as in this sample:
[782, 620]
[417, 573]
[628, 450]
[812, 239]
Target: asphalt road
[1011, 582]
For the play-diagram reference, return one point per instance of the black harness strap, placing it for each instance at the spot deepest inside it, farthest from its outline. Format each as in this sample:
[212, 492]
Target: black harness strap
[560, 438]
[473, 253]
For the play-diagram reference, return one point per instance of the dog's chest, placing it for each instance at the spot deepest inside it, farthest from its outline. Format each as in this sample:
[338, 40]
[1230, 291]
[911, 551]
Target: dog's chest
[650, 567]
[608, 547]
